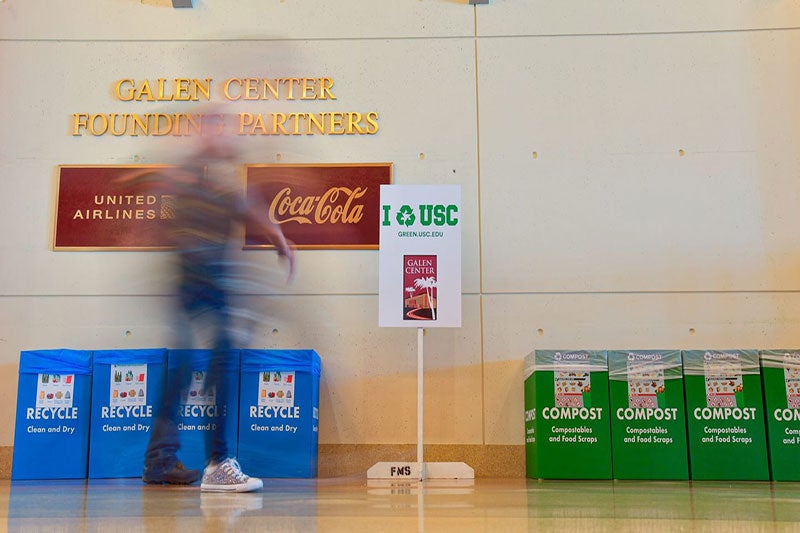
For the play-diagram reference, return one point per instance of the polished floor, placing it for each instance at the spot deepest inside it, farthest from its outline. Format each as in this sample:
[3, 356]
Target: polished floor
[355, 504]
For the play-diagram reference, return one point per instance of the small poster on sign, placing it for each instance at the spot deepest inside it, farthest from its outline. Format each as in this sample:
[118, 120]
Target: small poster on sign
[420, 280]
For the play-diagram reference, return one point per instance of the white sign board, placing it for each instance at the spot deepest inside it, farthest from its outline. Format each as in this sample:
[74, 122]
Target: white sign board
[420, 256]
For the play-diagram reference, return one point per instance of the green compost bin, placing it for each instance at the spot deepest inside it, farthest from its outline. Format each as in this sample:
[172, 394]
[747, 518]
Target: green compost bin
[567, 430]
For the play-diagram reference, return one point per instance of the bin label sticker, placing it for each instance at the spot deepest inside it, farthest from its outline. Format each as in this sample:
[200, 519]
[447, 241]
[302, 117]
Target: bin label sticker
[55, 390]
[645, 384]
[276, 388]
[128, 385]
[572, 381]
[197, 394]
[791, 375]
[723, 382]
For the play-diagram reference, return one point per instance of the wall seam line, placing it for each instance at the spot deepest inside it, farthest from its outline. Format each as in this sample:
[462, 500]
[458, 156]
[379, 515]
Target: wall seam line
[415, 37]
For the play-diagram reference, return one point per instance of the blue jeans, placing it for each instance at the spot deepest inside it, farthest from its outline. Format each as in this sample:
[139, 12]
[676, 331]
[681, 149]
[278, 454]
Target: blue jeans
[197, 297]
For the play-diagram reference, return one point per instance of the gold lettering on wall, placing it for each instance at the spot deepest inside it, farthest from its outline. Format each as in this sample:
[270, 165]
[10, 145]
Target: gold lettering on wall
[185, 89]
[308, 123]
[183, 124]
[163, 90]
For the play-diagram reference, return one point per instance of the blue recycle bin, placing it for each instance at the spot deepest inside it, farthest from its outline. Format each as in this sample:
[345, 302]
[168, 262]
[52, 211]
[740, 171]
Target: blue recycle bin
[279, 413]
[201, 409]
[51, 436]
[127, 389]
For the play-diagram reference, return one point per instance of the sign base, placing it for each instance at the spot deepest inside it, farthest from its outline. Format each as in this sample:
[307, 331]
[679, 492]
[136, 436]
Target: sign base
[420, 471]
[449, 471]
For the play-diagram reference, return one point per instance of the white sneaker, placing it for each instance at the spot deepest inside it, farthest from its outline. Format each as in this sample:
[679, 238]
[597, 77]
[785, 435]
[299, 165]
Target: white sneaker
[227, 476]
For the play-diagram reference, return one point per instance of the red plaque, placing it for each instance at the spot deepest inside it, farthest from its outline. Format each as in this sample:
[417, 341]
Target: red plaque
[319, 205]
[334, 206]
[95, 212]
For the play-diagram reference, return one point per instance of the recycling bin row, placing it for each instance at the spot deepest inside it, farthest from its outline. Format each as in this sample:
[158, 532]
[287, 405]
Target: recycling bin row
[663, 414]
[90, 413]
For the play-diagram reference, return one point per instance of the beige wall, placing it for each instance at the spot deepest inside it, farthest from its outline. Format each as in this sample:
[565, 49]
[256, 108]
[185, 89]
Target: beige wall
[628, 173]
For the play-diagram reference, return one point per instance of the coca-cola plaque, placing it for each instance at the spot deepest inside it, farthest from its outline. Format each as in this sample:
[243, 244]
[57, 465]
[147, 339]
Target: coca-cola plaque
[328, 206]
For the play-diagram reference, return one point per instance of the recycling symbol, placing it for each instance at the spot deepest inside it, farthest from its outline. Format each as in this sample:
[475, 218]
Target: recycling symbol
[405, 217]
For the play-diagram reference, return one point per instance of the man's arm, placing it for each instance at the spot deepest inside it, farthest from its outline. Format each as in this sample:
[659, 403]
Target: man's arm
[275, 235]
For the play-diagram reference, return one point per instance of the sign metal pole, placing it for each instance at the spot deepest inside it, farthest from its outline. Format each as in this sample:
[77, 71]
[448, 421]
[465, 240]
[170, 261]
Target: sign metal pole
[420, 250]
[420, 395]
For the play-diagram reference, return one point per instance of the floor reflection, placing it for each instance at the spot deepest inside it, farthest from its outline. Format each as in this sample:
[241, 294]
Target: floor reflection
[356, 504]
